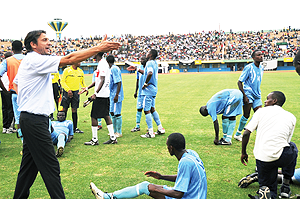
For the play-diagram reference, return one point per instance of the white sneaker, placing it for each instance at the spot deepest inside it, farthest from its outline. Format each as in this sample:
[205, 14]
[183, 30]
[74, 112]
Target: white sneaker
[148, 135]
[238, 137]
[97, 192]
[159, 132]
[4, 130]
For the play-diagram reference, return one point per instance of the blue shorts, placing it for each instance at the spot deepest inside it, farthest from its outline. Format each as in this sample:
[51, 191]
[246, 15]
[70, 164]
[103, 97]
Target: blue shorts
[14, 98]
[235, 107]
[115, 107]
[54, 136]
[148, 102]
[254, 100]
[139, 102]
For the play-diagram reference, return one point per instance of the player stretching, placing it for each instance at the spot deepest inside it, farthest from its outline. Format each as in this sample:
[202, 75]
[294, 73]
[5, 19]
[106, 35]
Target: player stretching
[149, 91]
[251, 77]
[229, 103]
[138, 90]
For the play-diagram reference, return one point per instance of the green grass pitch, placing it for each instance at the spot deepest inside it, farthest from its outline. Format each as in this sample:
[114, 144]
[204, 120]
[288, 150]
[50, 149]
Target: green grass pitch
[112, 167]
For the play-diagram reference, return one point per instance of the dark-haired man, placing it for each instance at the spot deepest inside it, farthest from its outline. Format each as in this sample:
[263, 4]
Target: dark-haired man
[273, 147]
[11, 66]
[116, 95]
[190, 181]
[35, 100]
[149, 91]
[100, 107]
[251, 77]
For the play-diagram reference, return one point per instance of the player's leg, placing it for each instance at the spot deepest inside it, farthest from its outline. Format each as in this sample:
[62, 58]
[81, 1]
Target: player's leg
[225, 123]
[75, 105]
[94, 114]
[231, 127]
[128, 192]
[61, 141]
[139, 107]
[244, 118]
[14, 98]
[147, 107]
[155, 115]
[118, 116]
[112, 108]
[99, 124]
[112, 137]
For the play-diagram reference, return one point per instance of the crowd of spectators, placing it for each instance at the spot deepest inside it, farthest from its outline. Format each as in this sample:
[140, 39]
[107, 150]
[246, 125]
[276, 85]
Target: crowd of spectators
[211, 45]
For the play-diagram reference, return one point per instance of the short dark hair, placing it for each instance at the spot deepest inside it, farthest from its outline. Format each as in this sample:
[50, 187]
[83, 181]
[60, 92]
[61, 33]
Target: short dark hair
[17, 46]
[297, 59]
[176, 140]
[7, 54]
[153, 52]
[279, 96]
[100, 54]
[253, 53]
[32, 37]
[110, 59]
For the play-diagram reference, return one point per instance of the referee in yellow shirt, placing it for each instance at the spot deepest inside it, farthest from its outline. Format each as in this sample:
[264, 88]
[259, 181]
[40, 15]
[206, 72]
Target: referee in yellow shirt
[71, 81]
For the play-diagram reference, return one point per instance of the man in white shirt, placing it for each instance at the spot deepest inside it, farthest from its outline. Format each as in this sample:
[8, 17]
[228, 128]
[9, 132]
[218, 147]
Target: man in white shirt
[273, 147]
[100, 98]
[35, 99]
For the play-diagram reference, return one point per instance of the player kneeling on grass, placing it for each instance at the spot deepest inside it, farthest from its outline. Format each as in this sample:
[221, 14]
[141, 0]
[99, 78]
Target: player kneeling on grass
[229, 103]
[61, 132]
[190, 181]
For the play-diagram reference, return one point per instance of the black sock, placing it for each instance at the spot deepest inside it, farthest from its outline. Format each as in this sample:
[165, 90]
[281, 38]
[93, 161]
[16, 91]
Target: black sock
[74, 118]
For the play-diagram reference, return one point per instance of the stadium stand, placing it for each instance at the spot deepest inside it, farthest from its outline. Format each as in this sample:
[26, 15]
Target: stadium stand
[205, 46]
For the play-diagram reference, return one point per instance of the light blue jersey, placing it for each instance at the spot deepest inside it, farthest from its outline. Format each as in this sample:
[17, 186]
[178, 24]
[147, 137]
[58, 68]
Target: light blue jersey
[151, 89]
[252, 77]
[228, 102]
[191, 176]
[297, 174]
[141, 78]
[65, 127]
[115, 78]
[94, 76]
[3, 66]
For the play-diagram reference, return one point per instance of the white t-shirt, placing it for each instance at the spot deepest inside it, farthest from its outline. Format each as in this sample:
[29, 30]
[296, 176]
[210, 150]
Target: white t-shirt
[102, 70]
[275, 128]
[5, 81]
[35, 93]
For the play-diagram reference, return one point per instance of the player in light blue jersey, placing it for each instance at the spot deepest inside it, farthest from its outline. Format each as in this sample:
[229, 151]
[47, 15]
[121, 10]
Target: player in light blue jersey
[251, 77]
[61, 132]
[116, 95]
[138, 90]
[99, 119]
[149, 91]
[190, 181]
[229, 103]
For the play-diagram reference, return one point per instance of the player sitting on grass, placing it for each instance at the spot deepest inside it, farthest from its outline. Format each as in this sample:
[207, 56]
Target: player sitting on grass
[229, 103]
[61, 132]
[190, 181]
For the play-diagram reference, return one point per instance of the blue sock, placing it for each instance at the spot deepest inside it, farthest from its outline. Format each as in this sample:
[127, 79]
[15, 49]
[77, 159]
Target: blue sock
[61, 140]
[156, 118]
[113, 119]
[231, 128]
[99, 122]
[119, 124]
[149, 121]
[225, 123]
[138, 118]
[130, 192]
[20, 134]
[242, 124]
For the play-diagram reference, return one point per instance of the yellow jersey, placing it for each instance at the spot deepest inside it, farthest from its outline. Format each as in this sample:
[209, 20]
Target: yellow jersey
[72, 79]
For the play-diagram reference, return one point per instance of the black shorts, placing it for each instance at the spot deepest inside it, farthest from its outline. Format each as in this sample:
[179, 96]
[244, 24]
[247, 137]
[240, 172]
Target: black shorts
[100, 108]
[66, 101]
